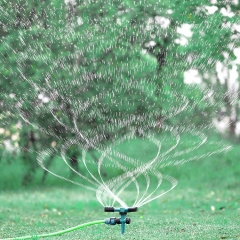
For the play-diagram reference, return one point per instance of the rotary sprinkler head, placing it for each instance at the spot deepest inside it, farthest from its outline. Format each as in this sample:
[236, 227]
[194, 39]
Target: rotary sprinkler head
[122, 220]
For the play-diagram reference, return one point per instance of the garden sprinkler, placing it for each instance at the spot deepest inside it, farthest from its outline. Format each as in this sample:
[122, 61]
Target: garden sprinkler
[122, 220]
[111, 221]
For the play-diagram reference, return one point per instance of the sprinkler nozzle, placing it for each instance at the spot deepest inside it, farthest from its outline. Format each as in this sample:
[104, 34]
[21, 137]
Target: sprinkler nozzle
[109, 209]
[122, 220]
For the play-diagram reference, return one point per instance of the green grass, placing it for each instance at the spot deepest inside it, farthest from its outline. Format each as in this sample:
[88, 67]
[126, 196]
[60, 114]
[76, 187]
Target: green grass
[184, 213]
[204, 205]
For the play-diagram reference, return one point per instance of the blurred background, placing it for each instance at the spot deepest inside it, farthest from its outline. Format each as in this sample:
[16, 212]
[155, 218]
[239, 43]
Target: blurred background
[110, 67]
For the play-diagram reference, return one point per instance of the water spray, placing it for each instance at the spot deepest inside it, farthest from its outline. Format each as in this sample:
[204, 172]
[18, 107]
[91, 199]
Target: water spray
[123, 219]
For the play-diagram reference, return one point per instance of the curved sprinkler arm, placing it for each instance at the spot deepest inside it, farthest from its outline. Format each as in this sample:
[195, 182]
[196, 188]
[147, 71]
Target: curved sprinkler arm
[122, 220]
[57, 233]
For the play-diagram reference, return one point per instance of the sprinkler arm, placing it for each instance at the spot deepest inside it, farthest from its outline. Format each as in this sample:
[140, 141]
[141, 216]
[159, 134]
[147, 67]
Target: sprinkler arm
[122, 220]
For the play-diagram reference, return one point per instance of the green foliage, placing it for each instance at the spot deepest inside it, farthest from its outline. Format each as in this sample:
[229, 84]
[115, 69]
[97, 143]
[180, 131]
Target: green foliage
[92, 62]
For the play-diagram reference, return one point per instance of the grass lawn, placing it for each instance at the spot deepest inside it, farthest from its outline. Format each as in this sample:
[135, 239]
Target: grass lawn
[184, 213]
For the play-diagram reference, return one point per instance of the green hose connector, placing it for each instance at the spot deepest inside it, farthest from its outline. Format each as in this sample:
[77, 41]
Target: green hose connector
[57, 233]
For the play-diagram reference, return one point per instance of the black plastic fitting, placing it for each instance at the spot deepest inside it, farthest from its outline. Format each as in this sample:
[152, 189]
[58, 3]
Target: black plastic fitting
[114, 221]
[118, 221]
[128, 220]
[108, 209]
[132, 209]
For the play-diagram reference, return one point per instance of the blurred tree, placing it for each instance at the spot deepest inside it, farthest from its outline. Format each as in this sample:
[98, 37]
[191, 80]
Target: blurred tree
[92, 71]
[214, 38]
